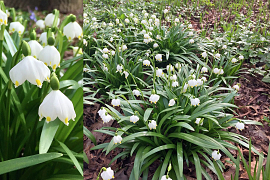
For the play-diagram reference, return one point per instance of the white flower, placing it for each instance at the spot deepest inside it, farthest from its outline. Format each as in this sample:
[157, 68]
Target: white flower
[198, 121]
[106, 118]
[143, 31]
[119, 68]
[151, 28]
[41, 24]
[216, 155]
[136, 92]
[112, 52]
[84, 15]
[224, 47]
[169, 68]
[241, 57]
[204, 54]
[192, 83]
[49, 20]
[134, 119]
[135, 20]
[153, 16]
[118, 30]
[144, 22]
[29, 69]
[145, 14]
[117, 21]
[146, 36]
[176, 20]
[178, 65]
[85, 42]
[158, 37]
[159, 72]
[165, 178]
[216, 71]
[126, 74]
[127, 21]
[171, 102]
[146, 62]
[190, 33]
[72, 30]
[16, 26]
[204, 70]
[204, 79]
[104, 24]
[50, 56]
[105, 50]
[124, 47]
[3, 18]
[191, 41]
[116, 102]
[217, 55]
[111, 39]
[194, 102]
[152, 124]
[131, 15]
[102, 112]
[56, 104]
[35, 48]
[154, 98]
[7, 12]
[165, 11]
[108, 174]
[199, 82]
[175, 84]
[105, 56]
[240, 126]
[158, 57]
[185, 88]
[234, 60]
[111, 24]
[105, 67]
[236, 87]
[221, 71]
[117, 139]
[155, 45]
[43, 39]
[190, 26]
[173, 77]
[75, 49]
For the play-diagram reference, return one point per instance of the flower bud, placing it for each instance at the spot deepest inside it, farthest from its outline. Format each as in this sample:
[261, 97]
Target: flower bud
[72, 18]
[51, 41]
[33, 35]
[54, 82]
[169, 167]
[26, 50]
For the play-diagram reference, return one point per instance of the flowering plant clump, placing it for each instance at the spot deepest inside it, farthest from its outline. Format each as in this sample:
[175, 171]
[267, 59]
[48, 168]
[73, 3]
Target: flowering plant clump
[40, 93]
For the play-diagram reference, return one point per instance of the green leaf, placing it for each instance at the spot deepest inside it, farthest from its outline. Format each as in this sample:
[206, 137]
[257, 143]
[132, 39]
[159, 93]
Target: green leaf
[147, 114]
[23, 162]
[89, 135]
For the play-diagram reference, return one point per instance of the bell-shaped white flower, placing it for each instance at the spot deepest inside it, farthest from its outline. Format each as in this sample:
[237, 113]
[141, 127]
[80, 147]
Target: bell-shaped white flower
[35, 48]
[72, 30]
[105, 50]
[136, 20]
[158, 37]
[165, 11]
[192, 83]
[111, 24]
[176, 20]
[241, 57]
[198, 120]
[29, 69]
[136, 92]
[146, 62]
[217, 55]
[204, 54]
[240, 126]
[165, 178]
[108, 174]
[175, 84]
[158, 57]
[117, 21]
[185, 88]
[102, 112]
[159, 72]
[154, 98]
[116, 102]
[144, 22]
[191, 41]
[50, 56]
[56, 104]
[194, 102]
[216, 70]
[124, 47]
[151, 28]
[221, 71]
[216, 155]
[49, 20]
[152, 124]
[190, 33]
[119, 68]
[204, 70]
[75, 49]
[204, 79]
[16, 26]
[127, 21]
[234, 60]
[171, 102]
[43, 39]
[178, 65]
[173, 77]
[3, 18]
[224, 47]
[134, 119]
[117, 139]
[199, 82]
[41, 24]
[126, 74]
[106, 118]
[169, 68]
[236, 87]
[105, 56]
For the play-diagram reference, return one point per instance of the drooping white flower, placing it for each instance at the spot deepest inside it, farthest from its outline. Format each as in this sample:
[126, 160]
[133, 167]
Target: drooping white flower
[108, 174]
[169, 68]
[105, 56]
[124, 47]
[146, 36]
[146, 62]
[190, 33]
[117, 139]
[154, 98]
[144, 22]
[221, 71]
[185, 88]
[3, 18]
[171, 102]
[178, 65]
[217, 55]
[111, 24]
[75, 49]
[204, 70]
[155, 45]
[131, 15]
[224, 47]
[54, 105]
[165, 11]
[117, 21]
[204, 79]
[85, 42]
[127, 21]
[176, 20]
[136, 20]
[158, 37]
[119, 68]
[41, 24]
[204, 54]
[111, 39]
[112, 52]
[194, 102]
[146, 41]
[165, 178]
[175, 84]
[106, 118]
[102, 112]
[136, 92]
[151, 28]
[35, 48]
[134, 119]
[126, 74]
[216, 155]
[159, 72]
[236, 87]
[43, 39]
[199, 82]
[192, 83]
[50, 56]
[240, 126]
[173, 77]
[145, 14]
[198, 121]
[152, 124]
[49, 20]
[216, 71]
[190, 26]
[234, 60]
[105, 68]
[29, 69]
[158, 57]
[72, 30]
[153, 16]
[191, 41]
[116, 102]
[241, 57]
[16, 26]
